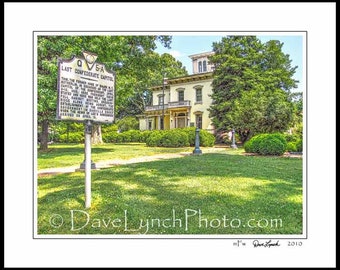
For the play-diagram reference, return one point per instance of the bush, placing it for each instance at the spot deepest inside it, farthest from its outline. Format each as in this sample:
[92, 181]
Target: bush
[291, 147]
[291, 137]
[154, 139]
[266, 144]
[128, 123]
[168, 138]
[109, 128]
[73, 137]
[253, 145]
[145, 135]
[206, 138]
[271, 146]
[190, 131]
[299, 146]
[174, 138]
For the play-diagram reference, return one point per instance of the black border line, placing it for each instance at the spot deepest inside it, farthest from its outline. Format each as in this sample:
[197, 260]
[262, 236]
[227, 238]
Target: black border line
[185, 236]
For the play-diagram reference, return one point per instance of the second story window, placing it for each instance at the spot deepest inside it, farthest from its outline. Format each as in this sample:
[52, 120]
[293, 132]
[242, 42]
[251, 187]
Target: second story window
[199, 66]
[181, 95]
[160, 100]
[199, 95]
[204, 66]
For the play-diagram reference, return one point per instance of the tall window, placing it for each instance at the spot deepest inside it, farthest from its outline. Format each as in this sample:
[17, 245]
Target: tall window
[199, 95]
[199, 66]
[204, 66]
[180, 95]
[199, 121]
[160, 100]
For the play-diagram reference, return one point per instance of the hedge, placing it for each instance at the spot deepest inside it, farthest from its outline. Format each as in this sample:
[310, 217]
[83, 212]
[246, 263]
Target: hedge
[266, 144]
[73, 137]
[206, 139]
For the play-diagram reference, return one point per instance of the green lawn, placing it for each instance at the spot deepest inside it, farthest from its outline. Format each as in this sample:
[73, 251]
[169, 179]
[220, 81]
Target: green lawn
[64, 155]
[218, 193]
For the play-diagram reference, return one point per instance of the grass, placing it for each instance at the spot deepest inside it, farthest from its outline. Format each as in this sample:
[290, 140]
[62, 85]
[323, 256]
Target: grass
[218, 193]
[64, 155]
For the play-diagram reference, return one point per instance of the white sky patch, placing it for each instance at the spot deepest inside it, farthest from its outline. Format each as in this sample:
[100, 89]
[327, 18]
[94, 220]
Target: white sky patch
[176, 54]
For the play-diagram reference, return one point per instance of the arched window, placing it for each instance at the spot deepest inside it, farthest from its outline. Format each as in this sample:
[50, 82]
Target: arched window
[204, 66]
[199, 66]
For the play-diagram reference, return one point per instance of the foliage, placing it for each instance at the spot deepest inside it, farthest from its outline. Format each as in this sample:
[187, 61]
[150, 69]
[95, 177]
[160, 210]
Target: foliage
[179, 137]
[72, 137]
[297, 100]
[127, 123]
[206, 138]
[299, 145]
[141, 66]
[291, 147]
[251, 86]
[109, 128]
[266, 144]
[154, 139]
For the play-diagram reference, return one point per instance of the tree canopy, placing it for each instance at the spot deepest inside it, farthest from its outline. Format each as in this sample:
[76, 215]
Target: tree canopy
[251, 86]
[141, 67]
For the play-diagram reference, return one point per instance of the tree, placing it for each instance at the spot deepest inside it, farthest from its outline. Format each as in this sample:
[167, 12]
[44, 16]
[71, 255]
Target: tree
[131, 50]
[251, 86]
[127, 123]
[148, 71]
[49, 48]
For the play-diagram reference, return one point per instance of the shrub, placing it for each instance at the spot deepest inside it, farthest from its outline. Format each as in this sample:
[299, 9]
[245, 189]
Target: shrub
[128, 123]
[144, 135]
[248, 146]
[291, 147]
[154, 139]
[190, 131]
[206, 138]
[299, 145]
[291, 137]
[168, 138]
[109, 128]
[253, 145]
[134, 135]
[174, 138]
[266, 144]
[271, 146]
[73, 137]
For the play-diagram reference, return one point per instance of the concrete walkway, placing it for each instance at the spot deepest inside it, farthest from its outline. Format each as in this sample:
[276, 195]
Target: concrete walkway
[116, 162]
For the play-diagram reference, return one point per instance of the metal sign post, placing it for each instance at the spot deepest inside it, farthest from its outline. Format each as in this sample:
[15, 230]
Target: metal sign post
[88, 131]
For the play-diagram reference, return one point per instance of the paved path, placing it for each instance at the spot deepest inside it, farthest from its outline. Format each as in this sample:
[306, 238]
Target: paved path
[115, 162]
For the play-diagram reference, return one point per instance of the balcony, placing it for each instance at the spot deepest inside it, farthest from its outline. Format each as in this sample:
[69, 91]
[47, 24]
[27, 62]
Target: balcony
[156, 107]
[179, 104]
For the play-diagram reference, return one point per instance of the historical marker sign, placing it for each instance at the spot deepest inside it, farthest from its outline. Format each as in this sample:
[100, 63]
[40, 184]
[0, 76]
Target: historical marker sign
[86, 90]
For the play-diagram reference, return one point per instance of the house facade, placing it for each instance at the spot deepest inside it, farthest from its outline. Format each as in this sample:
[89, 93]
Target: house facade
[183, 101]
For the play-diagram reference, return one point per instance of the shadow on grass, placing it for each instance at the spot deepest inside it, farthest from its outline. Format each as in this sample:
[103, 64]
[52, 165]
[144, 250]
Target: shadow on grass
[211, 188]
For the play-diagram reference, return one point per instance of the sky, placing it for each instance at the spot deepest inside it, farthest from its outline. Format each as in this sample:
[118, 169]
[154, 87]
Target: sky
[182, 46]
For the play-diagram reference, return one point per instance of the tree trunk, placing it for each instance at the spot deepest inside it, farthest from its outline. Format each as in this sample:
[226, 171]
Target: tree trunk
[44, 136]
[96, 137]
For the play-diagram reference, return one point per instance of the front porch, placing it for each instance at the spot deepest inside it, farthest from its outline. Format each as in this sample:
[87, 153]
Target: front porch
[173, 118]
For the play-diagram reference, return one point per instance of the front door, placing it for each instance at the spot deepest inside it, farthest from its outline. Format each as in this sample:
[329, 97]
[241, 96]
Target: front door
[181, 122]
